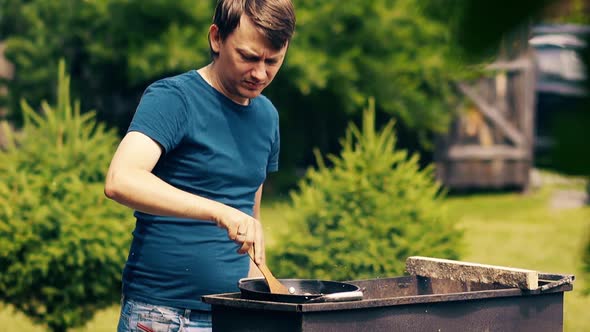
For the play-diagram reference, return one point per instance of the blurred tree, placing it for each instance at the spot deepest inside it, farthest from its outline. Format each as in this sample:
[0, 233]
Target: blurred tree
[387, 49]
[567, 11]
[8, 22]
[342, 52]
[114, 47]
[62, 242]
[363, 216]
[477, 27]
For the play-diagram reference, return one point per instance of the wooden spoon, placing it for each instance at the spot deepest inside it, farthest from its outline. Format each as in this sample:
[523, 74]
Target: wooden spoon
[275, 286]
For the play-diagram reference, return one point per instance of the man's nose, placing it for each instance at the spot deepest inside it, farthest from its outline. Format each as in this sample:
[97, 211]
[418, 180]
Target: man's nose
[259, 71]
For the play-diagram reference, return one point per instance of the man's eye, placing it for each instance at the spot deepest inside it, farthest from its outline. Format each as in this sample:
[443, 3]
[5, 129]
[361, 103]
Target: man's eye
[249, 58]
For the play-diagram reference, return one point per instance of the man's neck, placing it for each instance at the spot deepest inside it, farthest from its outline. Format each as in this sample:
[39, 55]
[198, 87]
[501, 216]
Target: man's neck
[209, 75]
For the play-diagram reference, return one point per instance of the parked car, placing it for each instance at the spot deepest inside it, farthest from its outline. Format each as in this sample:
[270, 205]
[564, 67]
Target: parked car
[562, 113]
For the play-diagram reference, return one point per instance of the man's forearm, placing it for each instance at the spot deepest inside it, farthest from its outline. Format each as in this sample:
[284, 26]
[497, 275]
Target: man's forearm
[143, 191]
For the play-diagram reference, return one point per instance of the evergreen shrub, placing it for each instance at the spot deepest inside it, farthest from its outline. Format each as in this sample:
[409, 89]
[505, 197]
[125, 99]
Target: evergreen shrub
[365, 213]
[62, 243]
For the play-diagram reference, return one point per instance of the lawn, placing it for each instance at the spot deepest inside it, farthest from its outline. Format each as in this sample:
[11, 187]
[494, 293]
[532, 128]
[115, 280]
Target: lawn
[525, 232]
[508, 229]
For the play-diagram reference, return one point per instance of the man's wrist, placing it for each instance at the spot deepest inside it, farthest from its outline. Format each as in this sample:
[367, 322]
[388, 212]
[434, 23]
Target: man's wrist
[216, 212]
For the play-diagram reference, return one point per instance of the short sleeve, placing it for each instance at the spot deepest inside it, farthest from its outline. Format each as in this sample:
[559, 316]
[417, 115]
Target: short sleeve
[273, 160]
[161, 114]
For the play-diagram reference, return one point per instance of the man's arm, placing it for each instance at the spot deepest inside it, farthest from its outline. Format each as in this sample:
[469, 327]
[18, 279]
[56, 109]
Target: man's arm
[130, 181]
[254, 271]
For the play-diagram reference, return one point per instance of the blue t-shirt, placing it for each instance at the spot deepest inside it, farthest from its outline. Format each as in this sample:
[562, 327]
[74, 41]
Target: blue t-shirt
[214, 148]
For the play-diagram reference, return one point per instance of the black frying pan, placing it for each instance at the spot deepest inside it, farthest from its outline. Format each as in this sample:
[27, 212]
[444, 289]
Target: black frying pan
[304, 291]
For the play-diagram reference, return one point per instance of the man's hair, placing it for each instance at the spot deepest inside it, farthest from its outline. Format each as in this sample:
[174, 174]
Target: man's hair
[274, 18]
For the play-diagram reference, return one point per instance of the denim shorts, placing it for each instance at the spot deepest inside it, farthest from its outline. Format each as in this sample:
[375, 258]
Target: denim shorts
[137, 316]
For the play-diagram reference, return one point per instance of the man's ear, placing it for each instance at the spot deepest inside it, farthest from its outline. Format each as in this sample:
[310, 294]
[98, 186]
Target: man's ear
[214, 38]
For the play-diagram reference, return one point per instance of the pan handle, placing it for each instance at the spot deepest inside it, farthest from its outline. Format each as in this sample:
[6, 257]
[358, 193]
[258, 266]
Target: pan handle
[338, 297]
[568, 279]
[242, 280]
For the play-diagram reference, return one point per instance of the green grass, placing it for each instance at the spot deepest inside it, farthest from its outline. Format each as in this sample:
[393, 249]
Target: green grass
[504, 229]
[524, 231]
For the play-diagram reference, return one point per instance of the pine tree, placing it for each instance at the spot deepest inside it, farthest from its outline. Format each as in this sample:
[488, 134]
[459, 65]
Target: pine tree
[62, 243]
[365, 214]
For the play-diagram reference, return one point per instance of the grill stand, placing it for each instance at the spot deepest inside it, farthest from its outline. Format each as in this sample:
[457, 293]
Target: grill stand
[404, 304]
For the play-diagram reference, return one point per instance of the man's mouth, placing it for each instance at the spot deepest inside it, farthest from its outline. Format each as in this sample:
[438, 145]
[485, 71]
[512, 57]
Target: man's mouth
[253, 85]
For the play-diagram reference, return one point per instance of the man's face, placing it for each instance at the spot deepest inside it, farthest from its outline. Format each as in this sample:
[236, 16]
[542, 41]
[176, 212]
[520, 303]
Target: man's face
[246, 61]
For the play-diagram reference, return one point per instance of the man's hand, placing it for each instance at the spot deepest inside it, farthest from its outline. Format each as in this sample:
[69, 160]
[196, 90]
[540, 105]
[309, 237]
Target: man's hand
[244, 230]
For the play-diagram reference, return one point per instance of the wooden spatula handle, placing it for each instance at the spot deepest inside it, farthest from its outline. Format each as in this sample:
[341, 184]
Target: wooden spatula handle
[274, 285]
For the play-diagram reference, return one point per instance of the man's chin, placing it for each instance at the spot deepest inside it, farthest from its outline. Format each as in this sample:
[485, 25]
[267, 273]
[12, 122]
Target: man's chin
[250, 94]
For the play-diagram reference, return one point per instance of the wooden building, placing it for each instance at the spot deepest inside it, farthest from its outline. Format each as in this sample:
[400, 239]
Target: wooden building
[490, 143]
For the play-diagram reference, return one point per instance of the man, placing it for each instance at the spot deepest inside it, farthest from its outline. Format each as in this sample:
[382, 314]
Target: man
[192, 165]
